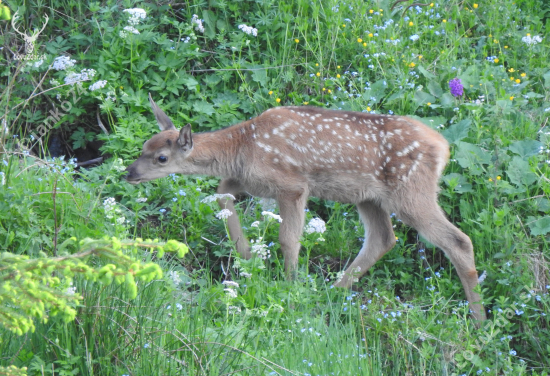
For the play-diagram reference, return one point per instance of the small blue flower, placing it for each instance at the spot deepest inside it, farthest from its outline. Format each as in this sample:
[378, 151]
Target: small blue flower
[146, 346]
[175, 199]
[162, 211]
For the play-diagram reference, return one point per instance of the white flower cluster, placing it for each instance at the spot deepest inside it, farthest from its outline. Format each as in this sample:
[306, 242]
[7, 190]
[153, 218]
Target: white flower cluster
[98, 85]
[414, 37]
[84, 75]
[174, 276]
[197, 21]
[217, 196]
[111, 210]
[118, 165]
[63, 62]
[274, 216]
[249, 30]
[260, 249]
[316, 225]
[71, 290]
[131, 29]
[230, 288]
[224, 214]
[136, 15]
[529, 40]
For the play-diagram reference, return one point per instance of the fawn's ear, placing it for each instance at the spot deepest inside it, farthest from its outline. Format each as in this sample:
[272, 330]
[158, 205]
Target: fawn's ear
[185, 140]
[163, 120]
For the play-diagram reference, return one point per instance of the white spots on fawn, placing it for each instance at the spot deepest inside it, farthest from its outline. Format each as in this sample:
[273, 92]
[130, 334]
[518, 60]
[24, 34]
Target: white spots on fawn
[266, 135]
[243, 131]
[230, 135]
[252, 126]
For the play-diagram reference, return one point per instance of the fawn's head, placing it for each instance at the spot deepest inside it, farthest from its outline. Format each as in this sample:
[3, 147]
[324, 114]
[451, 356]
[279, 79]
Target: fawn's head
[164, 153]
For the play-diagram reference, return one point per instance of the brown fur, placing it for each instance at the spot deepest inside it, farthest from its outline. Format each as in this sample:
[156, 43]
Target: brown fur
[383, 164]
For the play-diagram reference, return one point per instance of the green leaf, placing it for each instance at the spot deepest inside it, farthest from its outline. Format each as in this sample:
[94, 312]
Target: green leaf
[458, 131]
[520, 172]
[376, 90]
[260, 76]
[546, 77]
[539, 226]
[191, 83]
[472, 157]
[435, 88]
[526, 148]
[428, 75]
[457, 182]
[203, 107]
[422, 98]
[447, 100]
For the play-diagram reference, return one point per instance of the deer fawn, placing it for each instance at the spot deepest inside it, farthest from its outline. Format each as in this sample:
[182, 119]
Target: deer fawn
[381, 163]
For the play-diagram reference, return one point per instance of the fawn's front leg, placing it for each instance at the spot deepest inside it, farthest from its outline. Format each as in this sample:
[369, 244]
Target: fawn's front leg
[291, 205]
[233, 187]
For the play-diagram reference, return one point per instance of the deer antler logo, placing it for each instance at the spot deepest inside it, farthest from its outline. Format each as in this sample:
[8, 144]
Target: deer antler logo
[29, 39]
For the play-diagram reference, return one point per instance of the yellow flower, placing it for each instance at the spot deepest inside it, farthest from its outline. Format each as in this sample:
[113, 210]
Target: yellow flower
[329, 91]
[496, 60]
[512, 98]
[121, 87]
[396, 238]
[318, 74]
[278, 100]
[270, 92]
[306, 103]
[338, 67]
[338, 76]
[343, 25]
[511, 78]
[495, 40]
[431, 4]
[370, 35]
[297, 40]
[523, 74]
[528, 34]
[364, 44]
[420, 57]
[411, 23]
[368, 108]
[490, 179]
[412, 65]
[316, 64]
[444, 21]
[505, 46]
[518, 80]
[498, 177]
[371, 11]
[381, 10]
[324, 89]
[511, 70]
[475, 6]
[359, 40]
[428, 104]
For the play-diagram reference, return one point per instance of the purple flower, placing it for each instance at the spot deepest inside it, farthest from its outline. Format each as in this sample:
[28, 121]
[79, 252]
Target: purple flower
[456, 87]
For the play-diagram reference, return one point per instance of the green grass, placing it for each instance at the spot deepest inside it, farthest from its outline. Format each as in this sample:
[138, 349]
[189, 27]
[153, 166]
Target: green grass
[407, 316]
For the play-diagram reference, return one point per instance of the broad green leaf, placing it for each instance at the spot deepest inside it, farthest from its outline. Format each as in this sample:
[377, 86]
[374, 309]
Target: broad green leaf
[458, 131]
[203, 107]
[400, 94]
[260, 76]
[191, 83]
[422, 98]
[447, 100]
[543, 204]
[526, 148]
[472, 157]
[519, 172]
[377, 90]
[428, 75]
[546, 77]
[539, 226]
[457, 182]
[435, 89]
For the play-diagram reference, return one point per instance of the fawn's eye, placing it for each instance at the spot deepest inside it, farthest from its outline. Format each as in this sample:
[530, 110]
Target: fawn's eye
[163, 159]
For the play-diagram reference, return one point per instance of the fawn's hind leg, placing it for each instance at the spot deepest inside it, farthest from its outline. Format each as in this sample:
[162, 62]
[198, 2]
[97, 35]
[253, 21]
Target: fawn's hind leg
[429, 220]
[379, 239]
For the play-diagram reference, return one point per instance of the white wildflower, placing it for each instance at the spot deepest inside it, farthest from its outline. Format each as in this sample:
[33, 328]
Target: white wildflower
[249, 30]
[255, 224]
[482, 276]
[141, 199]
[230, 284]
[231, 293]
[174, 276]
[3, 177]
[38, 63]
[260, 249]
[414, 37]
[131, 29]
[63, 62]
[316, 225]
[197, 21]
[136, 15]
[529, 40]
[274, 216]
[224, 214]
[233, 309]
[246, 275]
[217, 196]
[98, 85]
[71, 290]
